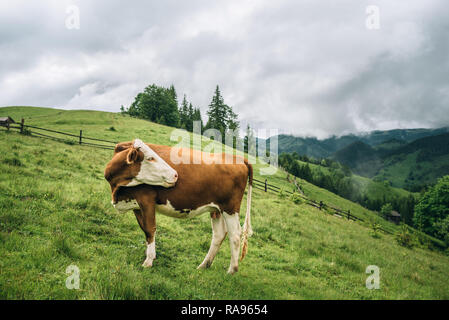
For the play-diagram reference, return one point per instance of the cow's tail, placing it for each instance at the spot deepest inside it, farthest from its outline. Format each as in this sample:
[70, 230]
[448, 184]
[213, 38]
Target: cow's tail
[247, 230]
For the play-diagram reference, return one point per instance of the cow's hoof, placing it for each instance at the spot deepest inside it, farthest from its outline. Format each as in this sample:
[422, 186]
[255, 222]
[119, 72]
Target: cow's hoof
[233, 270]
[147, 263]
[204, 265]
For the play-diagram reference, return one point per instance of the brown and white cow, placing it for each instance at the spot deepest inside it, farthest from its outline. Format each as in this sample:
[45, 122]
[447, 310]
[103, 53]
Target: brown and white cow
[145, 180]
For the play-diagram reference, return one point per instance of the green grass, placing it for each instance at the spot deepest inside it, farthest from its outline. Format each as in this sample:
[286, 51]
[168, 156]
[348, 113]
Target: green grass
[397, 169]
[374, 189]
[55, 211]
[403, 170]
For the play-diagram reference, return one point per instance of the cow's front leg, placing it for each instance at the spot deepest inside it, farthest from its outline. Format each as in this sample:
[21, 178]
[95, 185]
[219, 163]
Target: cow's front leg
[147, 221]
[218, 235]
[151, 254]
[150, 233]
[234, 232]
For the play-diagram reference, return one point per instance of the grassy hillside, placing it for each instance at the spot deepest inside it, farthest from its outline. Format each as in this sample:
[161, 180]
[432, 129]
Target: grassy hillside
[411, 165]
[360, 157]
[376, 189]
[364, 190]
[418, 163]
[55, 211]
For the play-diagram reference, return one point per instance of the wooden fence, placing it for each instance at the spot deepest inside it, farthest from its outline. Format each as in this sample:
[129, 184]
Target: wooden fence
[258, 184]
[61, 136]
[265, 186]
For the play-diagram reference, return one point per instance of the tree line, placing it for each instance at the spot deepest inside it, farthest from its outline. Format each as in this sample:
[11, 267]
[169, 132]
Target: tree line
[159, 104]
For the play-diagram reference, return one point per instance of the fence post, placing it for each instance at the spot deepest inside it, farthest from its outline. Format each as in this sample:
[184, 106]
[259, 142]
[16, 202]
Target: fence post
[266, 185]
[349, 214]
[81, 136]
[321, 204]
[21, 125]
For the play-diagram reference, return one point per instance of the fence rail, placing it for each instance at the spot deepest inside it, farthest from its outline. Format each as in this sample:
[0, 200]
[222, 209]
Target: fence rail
[80, 136]
[81, 139]
[258, 184]
[266, 187]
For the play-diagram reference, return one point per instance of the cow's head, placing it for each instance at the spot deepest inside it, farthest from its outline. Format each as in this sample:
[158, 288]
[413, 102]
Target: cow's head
[136, 163]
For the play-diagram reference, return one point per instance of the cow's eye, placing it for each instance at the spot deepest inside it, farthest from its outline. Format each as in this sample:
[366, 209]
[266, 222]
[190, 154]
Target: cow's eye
[150, 159]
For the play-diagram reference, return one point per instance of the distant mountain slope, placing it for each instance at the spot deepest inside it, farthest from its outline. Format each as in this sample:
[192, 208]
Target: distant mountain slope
[389, 145]
[360, 157]
[410, 165]
[316, 148]
[417, 163]
[408, 135]
[312, 147]
[428, 147]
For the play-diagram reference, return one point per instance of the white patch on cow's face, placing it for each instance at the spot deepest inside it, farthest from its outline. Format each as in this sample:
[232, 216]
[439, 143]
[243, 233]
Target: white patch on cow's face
[168, 210]
[123, 206]
[153, 169]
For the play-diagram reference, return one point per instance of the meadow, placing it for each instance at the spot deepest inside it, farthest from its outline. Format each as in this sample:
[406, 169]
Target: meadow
[55, 211]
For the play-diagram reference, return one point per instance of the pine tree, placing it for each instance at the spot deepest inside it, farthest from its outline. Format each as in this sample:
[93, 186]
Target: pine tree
[197, 117]
[221, 116]
[307, 173]
[190, 111]
[184, 114]
[251, 149]
[295, 169]
[231, 119]
[171, 111]
[217, 113]
[173, 94]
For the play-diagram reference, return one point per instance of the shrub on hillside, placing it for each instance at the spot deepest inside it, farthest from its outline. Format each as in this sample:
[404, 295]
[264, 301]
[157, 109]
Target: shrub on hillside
[375, 233]
[282, 194]
[26, 132]
[442, 229]
[296, 198]
[386, 209]
[432, 211]
[404, 238]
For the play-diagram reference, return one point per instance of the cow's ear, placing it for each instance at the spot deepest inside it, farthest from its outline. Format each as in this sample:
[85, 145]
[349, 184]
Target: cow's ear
[122, 146]
[134, 155]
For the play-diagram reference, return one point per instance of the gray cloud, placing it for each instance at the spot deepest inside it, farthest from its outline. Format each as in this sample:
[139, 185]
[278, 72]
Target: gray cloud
[304, 67]
[401, 89]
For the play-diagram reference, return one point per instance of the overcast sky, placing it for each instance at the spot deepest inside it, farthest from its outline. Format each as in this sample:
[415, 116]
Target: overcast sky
[302, 67]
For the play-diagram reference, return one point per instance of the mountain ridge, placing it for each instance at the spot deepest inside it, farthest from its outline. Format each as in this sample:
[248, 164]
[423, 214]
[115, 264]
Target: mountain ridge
[322, 148]
[408, 158]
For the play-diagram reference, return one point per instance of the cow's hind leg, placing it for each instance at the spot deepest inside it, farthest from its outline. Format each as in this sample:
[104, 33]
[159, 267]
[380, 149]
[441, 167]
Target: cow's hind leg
[234, 231]
[218, 235]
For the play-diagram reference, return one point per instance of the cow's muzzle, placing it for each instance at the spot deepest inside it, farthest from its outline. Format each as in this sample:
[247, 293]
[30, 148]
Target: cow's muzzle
[171, 182]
